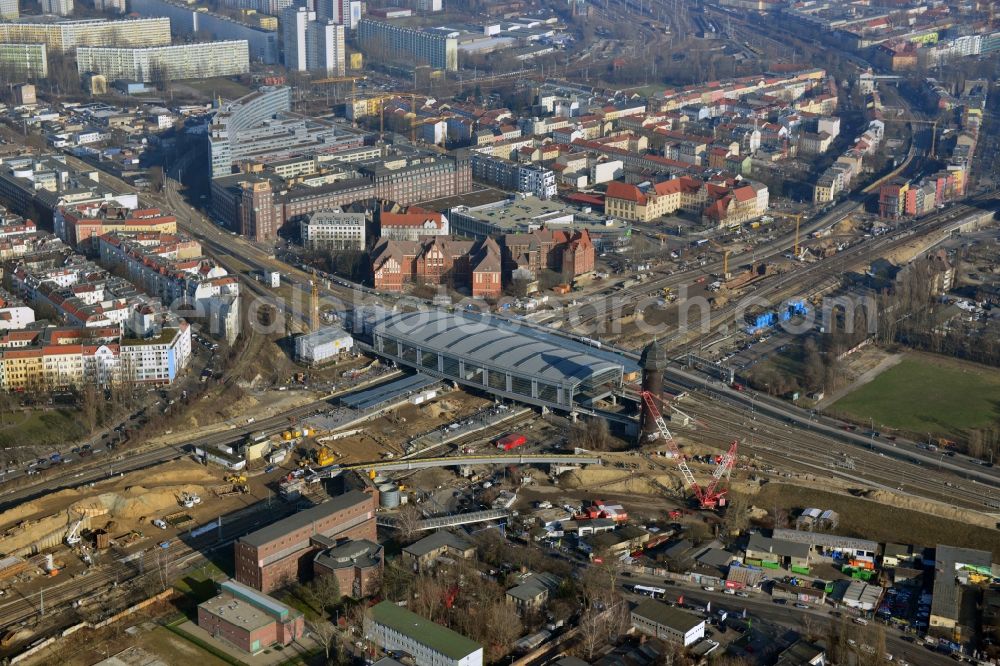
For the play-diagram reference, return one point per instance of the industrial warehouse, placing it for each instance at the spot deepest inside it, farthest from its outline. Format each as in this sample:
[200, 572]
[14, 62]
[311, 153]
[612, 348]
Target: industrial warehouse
[511, 362]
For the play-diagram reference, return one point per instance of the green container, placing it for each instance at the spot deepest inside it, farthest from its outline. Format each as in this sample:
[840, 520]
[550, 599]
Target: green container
[770, 565]
[800, 570]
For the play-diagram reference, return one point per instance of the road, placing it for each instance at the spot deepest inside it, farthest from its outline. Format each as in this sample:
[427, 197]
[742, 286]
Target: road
[759, 606]
[141, 459]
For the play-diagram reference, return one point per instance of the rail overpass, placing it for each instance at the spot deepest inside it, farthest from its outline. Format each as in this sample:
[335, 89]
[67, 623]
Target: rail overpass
[454, 520]
[424, 463]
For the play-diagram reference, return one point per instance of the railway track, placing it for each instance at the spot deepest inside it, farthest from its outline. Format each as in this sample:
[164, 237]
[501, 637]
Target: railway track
[780, 446]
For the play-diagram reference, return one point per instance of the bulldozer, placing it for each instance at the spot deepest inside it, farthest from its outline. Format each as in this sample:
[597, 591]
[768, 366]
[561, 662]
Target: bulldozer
[237, 479]
[323, 456]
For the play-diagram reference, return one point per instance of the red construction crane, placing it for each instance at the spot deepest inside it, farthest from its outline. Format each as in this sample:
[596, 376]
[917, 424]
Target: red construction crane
[710, 497]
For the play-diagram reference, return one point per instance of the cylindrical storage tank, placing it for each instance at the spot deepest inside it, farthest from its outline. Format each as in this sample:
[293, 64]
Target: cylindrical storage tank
[388, 496]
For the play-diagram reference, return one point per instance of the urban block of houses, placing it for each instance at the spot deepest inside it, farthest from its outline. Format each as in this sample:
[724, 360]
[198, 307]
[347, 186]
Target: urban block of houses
[79, 226]
[59, 357]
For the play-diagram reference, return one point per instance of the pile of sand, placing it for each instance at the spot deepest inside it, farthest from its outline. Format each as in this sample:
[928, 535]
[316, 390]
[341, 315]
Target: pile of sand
[621, 481]
[134, 502]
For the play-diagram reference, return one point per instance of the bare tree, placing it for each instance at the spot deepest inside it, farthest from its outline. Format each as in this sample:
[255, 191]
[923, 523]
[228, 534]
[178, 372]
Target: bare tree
[591, 434]
[326, 635]
[406, 521]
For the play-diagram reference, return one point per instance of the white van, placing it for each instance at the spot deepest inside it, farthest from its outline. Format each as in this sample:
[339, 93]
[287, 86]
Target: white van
[860, 620]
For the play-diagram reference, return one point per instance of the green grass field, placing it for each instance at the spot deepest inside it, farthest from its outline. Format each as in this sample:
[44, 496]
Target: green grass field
[927, 394]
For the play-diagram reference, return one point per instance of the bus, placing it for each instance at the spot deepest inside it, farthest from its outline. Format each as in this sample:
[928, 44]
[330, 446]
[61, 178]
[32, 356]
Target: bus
[649, 591]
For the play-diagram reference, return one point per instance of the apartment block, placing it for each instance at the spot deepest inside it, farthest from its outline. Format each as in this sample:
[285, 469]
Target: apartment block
[333, 230]
[164, 63]
[57, 7]
[173, 269]
[24, 61]
[188, 20]
[9, 9]
[514, 176]
[274, 555]
[57, 357]
[80, 226]
[312, 43]
[415, 46]
[66, 35]
[343, 12]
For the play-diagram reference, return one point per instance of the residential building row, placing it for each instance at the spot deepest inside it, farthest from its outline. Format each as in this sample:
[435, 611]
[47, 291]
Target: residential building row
[24, 61]
[173, 269]
[185, 20]
[66, 35]
[513, 176]
[48, 358]
[165, 63]
[412, 45]
[848, 167]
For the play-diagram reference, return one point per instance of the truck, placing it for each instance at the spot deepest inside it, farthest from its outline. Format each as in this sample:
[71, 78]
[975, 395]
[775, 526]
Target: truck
[511, 441]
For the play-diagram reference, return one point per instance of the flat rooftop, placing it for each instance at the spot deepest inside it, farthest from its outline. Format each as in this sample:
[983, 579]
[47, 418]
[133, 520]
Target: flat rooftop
[494, 342]
[386, 392]
[235, 611]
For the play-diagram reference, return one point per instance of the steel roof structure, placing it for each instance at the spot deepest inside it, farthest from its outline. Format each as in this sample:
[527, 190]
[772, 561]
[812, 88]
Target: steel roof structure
[512, 361]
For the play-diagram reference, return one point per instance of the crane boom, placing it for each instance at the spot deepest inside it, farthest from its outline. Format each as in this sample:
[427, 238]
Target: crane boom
[668, 439]
[709, 497]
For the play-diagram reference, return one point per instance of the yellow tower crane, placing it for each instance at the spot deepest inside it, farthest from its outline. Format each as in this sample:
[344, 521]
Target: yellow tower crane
[798, 220]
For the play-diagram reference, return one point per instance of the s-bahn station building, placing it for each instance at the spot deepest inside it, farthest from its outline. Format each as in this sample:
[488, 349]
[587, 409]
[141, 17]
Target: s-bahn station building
[501, 358]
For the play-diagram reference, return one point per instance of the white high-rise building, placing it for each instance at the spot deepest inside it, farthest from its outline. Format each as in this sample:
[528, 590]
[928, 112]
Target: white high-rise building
[312, 44]
[295, 22]
[9, 9]
[57, 7]
[326, 48]
[345, 12]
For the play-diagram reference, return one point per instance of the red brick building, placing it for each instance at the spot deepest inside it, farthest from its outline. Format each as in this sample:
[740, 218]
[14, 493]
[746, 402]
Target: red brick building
[357, 565]
[438, 260]
[483, 266]
[568, 252]
[249, 620]
[283, 552]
